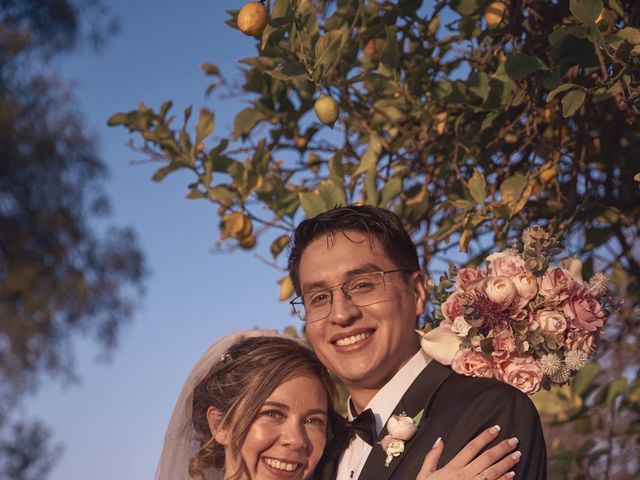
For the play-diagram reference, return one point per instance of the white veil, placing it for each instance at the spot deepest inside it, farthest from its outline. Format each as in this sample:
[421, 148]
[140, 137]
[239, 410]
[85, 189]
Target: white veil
[179, 440]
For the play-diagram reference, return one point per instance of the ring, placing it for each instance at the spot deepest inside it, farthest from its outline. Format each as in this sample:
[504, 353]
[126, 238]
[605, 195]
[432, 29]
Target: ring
[483, 476]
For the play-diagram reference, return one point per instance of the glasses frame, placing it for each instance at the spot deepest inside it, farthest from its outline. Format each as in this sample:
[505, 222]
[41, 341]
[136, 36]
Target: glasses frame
[299, 300]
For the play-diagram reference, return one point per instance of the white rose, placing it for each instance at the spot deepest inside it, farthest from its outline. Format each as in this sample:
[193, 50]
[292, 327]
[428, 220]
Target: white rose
[500, 290]
[551, 321]
[401, 427]
[460, 326]
[526, 285]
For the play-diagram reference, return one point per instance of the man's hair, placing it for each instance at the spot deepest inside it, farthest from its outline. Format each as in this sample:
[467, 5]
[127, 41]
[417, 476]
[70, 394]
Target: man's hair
[374, 222]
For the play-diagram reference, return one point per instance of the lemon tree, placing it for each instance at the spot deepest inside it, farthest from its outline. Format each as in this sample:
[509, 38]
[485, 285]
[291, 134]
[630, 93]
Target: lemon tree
[471, 119]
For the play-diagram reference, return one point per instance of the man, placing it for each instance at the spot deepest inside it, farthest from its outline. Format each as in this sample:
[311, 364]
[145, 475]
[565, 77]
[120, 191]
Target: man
[360, 289]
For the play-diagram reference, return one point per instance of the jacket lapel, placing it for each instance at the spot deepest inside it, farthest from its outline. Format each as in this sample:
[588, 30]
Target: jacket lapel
[417, 397]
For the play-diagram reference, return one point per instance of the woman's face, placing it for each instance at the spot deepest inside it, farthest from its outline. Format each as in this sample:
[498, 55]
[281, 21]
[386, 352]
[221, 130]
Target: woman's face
[287, 438]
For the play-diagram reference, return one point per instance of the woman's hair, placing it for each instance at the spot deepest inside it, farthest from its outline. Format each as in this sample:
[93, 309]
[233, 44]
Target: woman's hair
[238, 385]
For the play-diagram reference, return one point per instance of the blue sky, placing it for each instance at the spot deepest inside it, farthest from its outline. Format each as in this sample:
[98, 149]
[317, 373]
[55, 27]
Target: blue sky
[111, 425]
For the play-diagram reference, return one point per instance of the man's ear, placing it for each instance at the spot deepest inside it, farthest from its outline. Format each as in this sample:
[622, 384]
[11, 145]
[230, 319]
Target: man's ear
[420, 290]
[214, 419]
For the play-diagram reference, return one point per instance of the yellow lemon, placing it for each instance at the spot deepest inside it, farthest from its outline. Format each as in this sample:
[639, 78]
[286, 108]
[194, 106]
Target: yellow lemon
[494, 14]
[326, 109]
[252, 18]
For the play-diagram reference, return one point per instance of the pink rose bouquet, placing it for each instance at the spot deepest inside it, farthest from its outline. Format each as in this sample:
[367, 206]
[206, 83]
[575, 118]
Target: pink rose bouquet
[520, 320]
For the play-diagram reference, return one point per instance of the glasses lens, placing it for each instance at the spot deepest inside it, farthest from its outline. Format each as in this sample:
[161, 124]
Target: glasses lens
[366, 289]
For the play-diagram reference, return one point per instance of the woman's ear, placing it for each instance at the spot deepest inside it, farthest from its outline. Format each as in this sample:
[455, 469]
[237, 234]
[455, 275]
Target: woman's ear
[214, 419]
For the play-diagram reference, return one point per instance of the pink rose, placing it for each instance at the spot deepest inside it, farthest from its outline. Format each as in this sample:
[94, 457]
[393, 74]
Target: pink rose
[469, 278]
[472, 364]
[584, 312]
[556, 284]
[521, 371]
[453, 307]
[526, 285]
[551, 321]
[500, 290]
[506, 264]
[504, 341]
[583, 341]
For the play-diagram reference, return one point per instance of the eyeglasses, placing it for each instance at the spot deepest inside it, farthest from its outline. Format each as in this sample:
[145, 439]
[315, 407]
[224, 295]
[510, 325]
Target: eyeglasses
[363, 290]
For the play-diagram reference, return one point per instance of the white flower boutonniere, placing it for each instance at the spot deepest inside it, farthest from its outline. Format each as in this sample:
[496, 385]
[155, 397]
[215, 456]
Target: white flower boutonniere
[401, 428]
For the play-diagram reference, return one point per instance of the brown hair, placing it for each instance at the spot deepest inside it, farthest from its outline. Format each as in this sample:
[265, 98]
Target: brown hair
[375, 222]
[238, 386]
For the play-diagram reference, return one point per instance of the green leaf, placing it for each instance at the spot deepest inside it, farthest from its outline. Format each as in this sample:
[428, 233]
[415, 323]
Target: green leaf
[465, 7]
[205, 125]
[209, 69]
[586, 10]
[462, 204]
[478, 84]
[519, 66]
[118, 119]
[244, 122]
[278, 245]
[616, 388]
[391, 53]
[585, 377]
[511, 189]
[571, 102]
[221, 193]
[327, 47]
[391, 190]
[370, 158]
[195, 193]
[478, 187]
[311, 203]
[562, 88]
[332, 194]
[288, 72]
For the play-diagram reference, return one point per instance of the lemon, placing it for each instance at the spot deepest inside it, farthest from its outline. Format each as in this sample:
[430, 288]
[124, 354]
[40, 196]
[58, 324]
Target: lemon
[252, 18]
[326, 109]
[494, 14]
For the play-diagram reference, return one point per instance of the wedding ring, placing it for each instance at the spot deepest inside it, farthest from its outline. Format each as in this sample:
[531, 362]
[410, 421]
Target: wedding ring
[483, 476]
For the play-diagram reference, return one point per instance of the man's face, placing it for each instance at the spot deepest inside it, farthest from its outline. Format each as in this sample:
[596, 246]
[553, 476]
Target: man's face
[363, 346]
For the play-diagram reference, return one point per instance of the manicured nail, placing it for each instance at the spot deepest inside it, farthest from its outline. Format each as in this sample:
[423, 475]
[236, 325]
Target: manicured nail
[511, 474]
[496, 429]
[437, 442]
[516, 455]
[513, 441]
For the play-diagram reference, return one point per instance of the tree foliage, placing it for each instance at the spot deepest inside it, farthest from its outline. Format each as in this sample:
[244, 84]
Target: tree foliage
[63, 270]
[472, 120]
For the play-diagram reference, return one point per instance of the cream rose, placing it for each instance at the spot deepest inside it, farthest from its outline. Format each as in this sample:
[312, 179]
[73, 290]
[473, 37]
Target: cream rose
[505, 264]
[521, 371]
[551, 321]
[500, 290]
[460, 326]
[556, 284]
[526, 285]
[470, 363]
[401, 427]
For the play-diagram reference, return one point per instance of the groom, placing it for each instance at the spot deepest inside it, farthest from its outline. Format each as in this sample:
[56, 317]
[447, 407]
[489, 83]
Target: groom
[361, 290]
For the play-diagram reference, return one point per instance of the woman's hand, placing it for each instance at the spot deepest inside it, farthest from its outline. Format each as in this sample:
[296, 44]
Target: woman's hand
[494, 464]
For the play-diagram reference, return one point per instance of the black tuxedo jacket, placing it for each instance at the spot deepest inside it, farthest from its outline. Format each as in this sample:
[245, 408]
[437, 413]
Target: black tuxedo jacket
[456, 408]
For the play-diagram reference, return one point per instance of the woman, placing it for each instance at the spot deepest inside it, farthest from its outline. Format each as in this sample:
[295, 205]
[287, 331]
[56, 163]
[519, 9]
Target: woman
[256, 406]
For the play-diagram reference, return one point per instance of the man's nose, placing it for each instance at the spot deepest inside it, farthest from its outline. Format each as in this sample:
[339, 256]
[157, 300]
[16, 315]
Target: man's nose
[343, 310]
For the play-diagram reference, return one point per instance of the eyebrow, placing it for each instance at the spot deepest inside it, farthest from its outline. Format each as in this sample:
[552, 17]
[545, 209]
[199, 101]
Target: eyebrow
[284, 406]
[364, 268]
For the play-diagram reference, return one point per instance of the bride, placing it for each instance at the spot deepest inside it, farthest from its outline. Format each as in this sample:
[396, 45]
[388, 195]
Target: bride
[257, 405]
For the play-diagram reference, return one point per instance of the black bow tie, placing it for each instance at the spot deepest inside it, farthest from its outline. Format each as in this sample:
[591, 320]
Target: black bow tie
[364, 425]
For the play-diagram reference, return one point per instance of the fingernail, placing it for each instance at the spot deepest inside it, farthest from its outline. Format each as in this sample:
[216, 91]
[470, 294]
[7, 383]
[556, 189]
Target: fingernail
[437, 442]
[496, 428]
[516, 455]
[513, 441]
[511, 474]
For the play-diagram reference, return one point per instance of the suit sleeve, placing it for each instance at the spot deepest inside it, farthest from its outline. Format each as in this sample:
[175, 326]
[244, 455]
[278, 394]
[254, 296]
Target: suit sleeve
[498, 404]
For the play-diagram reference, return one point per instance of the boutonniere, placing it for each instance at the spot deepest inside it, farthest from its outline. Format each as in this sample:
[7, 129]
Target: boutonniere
[401, 428]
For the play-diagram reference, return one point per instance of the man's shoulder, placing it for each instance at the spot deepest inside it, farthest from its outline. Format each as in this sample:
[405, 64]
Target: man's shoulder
[464, 389]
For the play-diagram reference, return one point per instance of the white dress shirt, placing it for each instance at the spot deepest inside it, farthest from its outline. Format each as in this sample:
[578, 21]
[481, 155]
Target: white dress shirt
[382, 405]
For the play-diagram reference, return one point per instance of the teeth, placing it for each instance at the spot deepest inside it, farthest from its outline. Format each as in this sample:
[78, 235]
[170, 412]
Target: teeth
[278, 465]
[343, 342]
